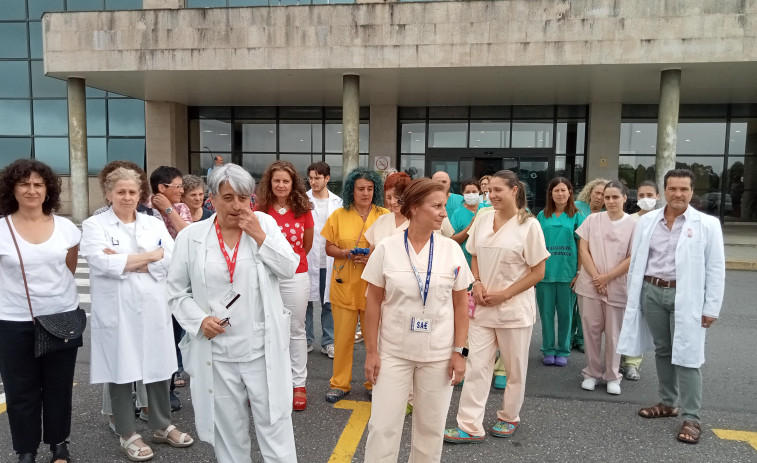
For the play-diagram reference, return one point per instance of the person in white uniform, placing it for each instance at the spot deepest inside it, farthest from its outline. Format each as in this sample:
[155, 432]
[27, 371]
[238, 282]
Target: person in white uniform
[421, 303]
[223, 289]
[132, 333]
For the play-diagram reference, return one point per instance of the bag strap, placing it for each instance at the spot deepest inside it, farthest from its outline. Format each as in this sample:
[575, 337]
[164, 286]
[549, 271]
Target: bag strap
[23, 272]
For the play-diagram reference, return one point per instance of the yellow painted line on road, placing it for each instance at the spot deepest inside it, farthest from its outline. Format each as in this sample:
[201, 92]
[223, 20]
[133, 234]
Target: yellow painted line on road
[353, 431]
[743, 436]
[2, 403]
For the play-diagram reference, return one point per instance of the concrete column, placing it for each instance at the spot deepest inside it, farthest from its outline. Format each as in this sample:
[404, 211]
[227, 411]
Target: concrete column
[163, 4]
[350, 122]
[77, 148]
[166, 136]
[603, 140]
[667, 125]
[383, 135]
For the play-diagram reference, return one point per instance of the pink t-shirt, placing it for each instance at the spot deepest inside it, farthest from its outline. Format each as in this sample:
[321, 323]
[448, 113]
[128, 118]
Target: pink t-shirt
[294, 231]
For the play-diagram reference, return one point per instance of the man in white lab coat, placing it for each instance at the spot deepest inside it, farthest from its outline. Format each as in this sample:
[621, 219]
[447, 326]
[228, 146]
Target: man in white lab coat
[675, 290]
[319, 264]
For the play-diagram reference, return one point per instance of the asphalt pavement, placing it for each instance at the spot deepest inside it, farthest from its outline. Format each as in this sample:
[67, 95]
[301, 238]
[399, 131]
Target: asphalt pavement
[561, 422]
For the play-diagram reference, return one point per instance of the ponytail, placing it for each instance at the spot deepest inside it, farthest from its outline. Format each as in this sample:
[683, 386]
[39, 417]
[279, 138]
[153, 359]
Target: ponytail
[513, 181]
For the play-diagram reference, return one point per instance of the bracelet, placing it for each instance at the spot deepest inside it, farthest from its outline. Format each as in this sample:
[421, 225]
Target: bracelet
[477, 282]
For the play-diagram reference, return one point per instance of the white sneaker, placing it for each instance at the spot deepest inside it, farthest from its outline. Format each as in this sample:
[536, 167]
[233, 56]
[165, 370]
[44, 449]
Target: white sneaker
[328, 350]
[310, 348]
[589, 384]
[613, 387]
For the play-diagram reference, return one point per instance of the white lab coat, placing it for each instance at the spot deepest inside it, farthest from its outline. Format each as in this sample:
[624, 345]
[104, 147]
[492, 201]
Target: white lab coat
[319, 249]
[188, 299]
[132, 332]
[700, 283]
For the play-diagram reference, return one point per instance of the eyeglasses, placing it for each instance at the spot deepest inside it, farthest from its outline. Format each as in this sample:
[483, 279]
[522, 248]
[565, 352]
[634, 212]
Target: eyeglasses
[178, 187]
[225, 322]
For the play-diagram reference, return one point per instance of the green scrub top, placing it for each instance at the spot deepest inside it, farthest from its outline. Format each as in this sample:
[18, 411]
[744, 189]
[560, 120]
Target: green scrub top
[461, 219]
[454, 202]
[584, 208]
[560, 237]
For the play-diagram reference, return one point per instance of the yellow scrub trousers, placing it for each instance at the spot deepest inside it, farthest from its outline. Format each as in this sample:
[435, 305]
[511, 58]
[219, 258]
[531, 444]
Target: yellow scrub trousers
[345, 323]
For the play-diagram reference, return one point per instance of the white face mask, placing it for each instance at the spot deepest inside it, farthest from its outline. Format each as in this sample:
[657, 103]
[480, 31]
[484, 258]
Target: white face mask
[471, 198]
[647, 204]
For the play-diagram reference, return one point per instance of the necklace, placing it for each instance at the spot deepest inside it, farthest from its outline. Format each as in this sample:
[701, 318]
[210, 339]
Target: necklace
[282, 209]
[363, 216]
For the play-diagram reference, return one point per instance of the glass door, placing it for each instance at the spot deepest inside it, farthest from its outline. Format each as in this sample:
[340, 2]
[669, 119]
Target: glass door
[534, 172]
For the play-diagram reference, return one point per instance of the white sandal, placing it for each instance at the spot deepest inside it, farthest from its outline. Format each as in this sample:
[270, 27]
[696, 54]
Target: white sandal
[161, 436]
[133, 451]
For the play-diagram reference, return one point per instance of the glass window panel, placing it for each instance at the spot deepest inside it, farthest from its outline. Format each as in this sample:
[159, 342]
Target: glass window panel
[743, 136]
[532, 134]
[299, 137]
[301, 163]
[363, 141]
[35, 39]
[123, 4]
[14, 148]
[701, 138]
[638, 137]
[333, 137]
[15, 118]
[84, 5]
[127, 149]
[489, 134]
[708, 172]
[447, 134]
[337, 176]
[116, 95]
[50, 117]
[362, 160]
[12, 9]
[53, 152]
[248, 2]
[205, 3]
[97, 155]
[739, 195]
[635, 169]
[38, 7]
[96, 118]
[579, 174]
[13, 40]
[46, 87]
[448, 112]
[95, 93]
[14, 79]
[257, 163]
[570, 137]
[126, 117]
[413, 139]
[259, 136]
[210, 135]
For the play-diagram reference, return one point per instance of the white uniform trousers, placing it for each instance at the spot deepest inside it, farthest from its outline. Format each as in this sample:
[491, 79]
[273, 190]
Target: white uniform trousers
[432, 392]
[234, 384]
[513, 346]
[294, 294]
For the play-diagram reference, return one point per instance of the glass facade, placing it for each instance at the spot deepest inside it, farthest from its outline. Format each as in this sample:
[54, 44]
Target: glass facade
[537, 142]
[717, 142]
[33, 107]
[254, 137]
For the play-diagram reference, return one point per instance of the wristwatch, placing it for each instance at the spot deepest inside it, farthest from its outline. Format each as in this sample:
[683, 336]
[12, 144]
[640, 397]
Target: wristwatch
[462, 351]
[169, 210]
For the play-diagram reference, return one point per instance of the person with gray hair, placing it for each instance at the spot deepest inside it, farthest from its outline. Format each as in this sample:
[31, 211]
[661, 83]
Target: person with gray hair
[194, 197]
[223, 288]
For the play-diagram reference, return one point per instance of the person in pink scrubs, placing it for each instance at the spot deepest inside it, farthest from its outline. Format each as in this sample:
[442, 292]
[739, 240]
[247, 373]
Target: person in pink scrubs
[605, 251]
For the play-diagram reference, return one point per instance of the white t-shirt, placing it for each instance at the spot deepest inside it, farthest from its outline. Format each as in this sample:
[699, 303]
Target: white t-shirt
[51, 284]
[320, 215]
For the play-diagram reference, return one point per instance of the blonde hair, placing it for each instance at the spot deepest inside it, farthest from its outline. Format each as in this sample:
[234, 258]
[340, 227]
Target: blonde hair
[119, 174]
[585, 194]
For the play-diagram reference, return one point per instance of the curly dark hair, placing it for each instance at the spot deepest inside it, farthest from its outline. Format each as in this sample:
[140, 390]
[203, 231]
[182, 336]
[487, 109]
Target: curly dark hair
[348, 191]
[144, 190]
[298, 200]
[20, 170]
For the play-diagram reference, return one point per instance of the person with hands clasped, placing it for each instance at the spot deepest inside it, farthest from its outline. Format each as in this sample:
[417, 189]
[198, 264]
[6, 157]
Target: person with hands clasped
[508, 259]
[420, 301]
[223, 288]
[605, 249]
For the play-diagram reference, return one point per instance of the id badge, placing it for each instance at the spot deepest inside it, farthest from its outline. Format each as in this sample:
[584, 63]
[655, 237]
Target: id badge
[230, 298]
[421, 325]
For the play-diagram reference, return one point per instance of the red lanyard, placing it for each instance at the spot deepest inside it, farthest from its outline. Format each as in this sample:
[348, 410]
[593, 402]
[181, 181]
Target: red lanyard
[231, 263]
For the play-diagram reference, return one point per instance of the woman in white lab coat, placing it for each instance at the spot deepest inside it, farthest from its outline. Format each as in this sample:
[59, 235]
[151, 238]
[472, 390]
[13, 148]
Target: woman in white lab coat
[132, 334]
[223, 289]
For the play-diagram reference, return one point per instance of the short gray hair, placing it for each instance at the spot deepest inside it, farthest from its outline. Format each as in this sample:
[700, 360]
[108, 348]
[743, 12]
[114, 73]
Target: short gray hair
[120, 173]
[238, 179]
[192, 182]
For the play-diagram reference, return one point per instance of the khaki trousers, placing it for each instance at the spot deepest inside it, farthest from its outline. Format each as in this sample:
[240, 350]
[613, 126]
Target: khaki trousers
[600, 317]
[432, 392]
[513, 345]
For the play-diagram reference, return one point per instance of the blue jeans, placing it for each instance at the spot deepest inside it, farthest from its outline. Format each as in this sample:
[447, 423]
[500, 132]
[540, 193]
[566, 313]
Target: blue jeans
[327, 321]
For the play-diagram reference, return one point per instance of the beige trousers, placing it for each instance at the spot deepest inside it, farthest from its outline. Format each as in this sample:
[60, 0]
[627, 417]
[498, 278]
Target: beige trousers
[513, 345]
[599, 317]
[432, 392]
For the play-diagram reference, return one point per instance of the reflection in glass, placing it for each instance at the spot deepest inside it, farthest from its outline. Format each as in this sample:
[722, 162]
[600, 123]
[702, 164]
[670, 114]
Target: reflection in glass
[50, 117]
[570, 137]
[14, 79]
[46, 87]
[95, 93]
[97, 154]
[38, 7]
[701, 137]
[632, 170]
[489, 134]
[362, 160]
[13, 40]
[335, 162]
[14, 148]
[126, 117]
[205, 3]
[257, 163]
[123, 4]
[413, 138]
[301, 163]
[579, 178]
[638, 137]
[708, 172]
[447, 134]
[248, 2]
[334, 137]
[127, 149]
[84, 5]
[15, 118]
[210, 135]
[35, 39]
[532, 134]
[53, 152]
[741, 131]
[535, 174]
[414, 165]
[300, 137]
[258, 136]
[96, 118]
[12, 9]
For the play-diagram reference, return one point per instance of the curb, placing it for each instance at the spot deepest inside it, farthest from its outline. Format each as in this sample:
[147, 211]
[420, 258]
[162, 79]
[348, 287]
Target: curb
[740, 265]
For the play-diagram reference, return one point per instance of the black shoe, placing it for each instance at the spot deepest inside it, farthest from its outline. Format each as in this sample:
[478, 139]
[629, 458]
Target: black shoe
[60, 452]
[175, 402]
[27, 457]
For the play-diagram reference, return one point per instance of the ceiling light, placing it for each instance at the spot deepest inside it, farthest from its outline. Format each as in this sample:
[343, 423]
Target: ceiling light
[409, 131]
[270, 131]
[301, 139]
[478, 140]
[207, 131]
[637, 131]
[687, 140]
[737, 131]
[417, 140]
[223, 134]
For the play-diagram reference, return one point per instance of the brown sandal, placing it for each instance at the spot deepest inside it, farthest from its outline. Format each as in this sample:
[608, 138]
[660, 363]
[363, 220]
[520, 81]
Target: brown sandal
[690, 432]
[658, 411]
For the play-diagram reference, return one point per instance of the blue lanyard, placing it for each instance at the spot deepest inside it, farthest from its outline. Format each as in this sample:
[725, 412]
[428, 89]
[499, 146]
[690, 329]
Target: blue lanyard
[423, 289]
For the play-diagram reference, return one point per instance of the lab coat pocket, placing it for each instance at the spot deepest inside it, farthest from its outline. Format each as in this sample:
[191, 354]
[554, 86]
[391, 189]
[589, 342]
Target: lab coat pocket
[444, 284]
[185, 346]
[393, 330]
[105, 312]
[443, 334]
[258, 336]
[286, 322]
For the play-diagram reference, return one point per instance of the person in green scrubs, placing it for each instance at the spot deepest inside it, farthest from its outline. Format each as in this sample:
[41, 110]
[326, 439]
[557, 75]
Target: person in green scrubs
[462, 218]
[559, 222]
